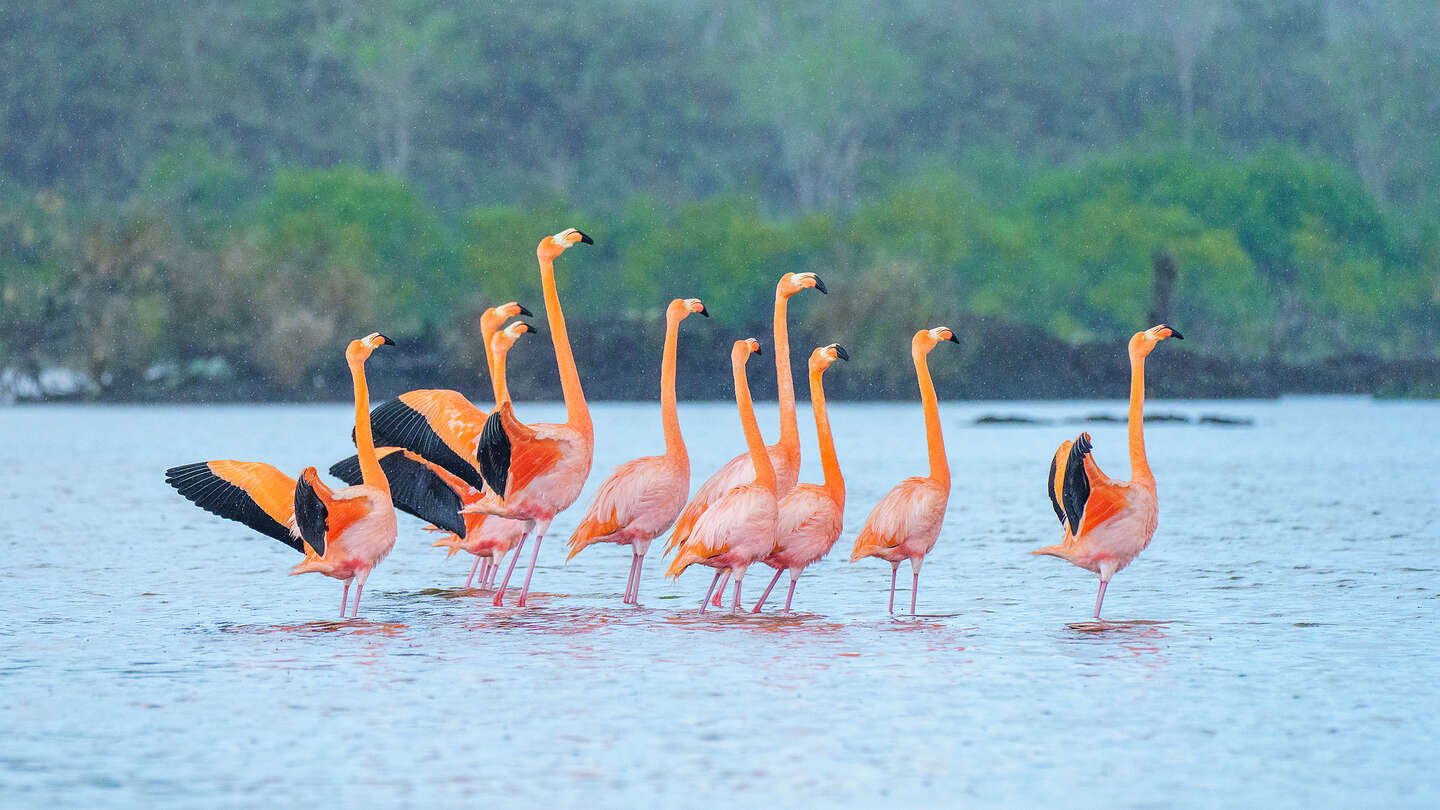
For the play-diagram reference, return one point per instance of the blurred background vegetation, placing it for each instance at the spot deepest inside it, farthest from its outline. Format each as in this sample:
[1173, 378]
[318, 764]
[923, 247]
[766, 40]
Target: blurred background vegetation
[208, 198]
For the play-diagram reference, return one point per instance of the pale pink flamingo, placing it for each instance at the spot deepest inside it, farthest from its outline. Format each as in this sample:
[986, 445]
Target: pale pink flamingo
[739, 528]
[785, 453]
[1107, 523]
[906, 523]
[811, 516]
[642, 498]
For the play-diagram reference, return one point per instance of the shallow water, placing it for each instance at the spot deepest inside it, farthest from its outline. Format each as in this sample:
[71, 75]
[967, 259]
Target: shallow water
[1275, 646]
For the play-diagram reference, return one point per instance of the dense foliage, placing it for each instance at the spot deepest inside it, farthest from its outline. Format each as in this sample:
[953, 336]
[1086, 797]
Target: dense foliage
[235, 187]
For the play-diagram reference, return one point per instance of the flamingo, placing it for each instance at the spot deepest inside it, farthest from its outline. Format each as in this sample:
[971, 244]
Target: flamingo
[740, 527]
[811, 516]
[785, 453]
[642, 498]
[536, 471]
[486, 539]
[343, 533]
[906, 523]
[1107, 523]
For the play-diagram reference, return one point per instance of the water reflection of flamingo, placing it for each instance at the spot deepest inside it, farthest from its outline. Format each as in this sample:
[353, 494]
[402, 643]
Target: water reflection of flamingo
[343, 533]
[811, 516]
[739, 528]
[642, 498]
[1107, 523]
[785, 453]
[906, 523]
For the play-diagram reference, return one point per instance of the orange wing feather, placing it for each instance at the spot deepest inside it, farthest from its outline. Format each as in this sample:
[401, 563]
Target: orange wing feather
[272, 490]
[530, 453]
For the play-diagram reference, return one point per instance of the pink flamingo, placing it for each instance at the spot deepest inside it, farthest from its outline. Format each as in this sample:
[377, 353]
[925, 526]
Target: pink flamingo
[906, 523]
[642, 498]
[1107, 523]
[740, 527]
[811, 516]
[785, 453]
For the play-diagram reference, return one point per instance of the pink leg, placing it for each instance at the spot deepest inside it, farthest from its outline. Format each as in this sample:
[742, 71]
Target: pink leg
[471, 580]
[706, 601]
[630, 580]
[359, 589]
[635, 589]
[500, 595]
[735, 606]
[893, 568]
[1101, 597]
[534, 556]
[914, 589]
[344, 598]
[790, 595]
[720, 594]
[766, 594]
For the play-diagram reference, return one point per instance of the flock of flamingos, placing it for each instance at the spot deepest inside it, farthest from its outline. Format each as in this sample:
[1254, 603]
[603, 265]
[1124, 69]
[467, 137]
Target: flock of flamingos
[490, 481]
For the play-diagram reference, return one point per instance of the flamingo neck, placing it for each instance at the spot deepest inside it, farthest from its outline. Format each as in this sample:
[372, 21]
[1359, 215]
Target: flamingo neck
[577, 415]
[486, 333]
[834, 481]
[669, 414]
[939, 465]
[497, 377]
[764, 470]
[785, 383]
[370, 471]
[1139, 464]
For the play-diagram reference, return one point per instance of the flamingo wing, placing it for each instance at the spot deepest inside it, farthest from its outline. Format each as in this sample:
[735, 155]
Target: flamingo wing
[1088, 496]
[321, 514]
[1055, 484]
[809, 512]
[249, 492]
[738, 470]
[439, 425]
[914, 507]
[417, 487]
[637, 491]
[513, 453]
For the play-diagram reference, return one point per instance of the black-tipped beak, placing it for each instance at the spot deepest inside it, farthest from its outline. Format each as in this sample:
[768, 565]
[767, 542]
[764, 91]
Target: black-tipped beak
[523, 311]
[841, 353]
[387, 341]
[952, 338]
[1175, 333]
[585, 239]
[820, 285]
[704, 311]
[759, 352]
[529, 328]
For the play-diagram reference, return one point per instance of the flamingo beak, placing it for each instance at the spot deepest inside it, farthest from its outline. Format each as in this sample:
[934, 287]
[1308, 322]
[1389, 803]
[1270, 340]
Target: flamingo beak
[386, 341]
[585, 239]
[952, 338]
[529, 328]
[523, 311]
[704, 311]
[820, 285]
[841, 353]
[1176, 334]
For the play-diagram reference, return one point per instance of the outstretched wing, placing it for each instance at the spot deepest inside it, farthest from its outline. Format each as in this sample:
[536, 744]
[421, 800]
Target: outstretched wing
[441, 426]
[1083, 496]
[415, 487]
[250, 492]
[312, 509]
[513, 453]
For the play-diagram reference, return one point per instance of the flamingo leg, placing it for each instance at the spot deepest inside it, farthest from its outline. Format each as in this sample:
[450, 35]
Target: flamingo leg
[634, 575]
[720, 594]
[359, 589]
[768, 588]
[534, 556]
[735, 606]
[635, 591]
[894, 567]
[1100, 597]
[471, 580]
[791, 594]
[344, 598]
[914, 590]
[706, 601]
[500, 595]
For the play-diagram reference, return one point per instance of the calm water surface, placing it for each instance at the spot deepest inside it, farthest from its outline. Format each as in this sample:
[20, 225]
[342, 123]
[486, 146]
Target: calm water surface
[1275, 646]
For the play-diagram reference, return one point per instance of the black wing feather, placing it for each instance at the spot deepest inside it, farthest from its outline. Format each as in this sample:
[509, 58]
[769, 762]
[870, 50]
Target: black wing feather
[494, 453]
[217, 496]
[1049, 489]
[396, 424]
[310, 515]
[414, 489]
[1076, 489]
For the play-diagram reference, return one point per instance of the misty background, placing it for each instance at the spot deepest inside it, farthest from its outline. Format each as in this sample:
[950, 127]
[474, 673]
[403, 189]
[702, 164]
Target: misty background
[206, 200]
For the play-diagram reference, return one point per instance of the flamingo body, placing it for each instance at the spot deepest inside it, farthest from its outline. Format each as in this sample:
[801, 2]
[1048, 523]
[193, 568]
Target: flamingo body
[905, 524]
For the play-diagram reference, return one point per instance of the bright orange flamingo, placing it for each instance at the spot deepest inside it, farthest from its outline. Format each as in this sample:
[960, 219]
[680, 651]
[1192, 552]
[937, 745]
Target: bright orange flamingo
[906, 523]
[1107, 523]
[343, 533]
[739, 528]
[536, 471]
[785, 453]
[811, 516]
[641, 498]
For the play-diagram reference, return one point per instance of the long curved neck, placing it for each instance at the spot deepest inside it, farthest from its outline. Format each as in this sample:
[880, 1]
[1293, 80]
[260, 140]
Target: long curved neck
[497, 377]
[576, 414]
[1139, 465]
[785, 384]
[764, 470]
[486, 333]
[669, 414]
[370, 471]
[939, 465]
[834, 481]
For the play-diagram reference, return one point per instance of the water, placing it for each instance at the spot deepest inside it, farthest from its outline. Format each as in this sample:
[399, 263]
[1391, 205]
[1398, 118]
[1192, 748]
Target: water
[1275, 646]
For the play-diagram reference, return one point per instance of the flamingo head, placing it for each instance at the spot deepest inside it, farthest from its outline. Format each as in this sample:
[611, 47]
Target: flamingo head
[743, 349]
[927, 339]
[359, 350]
[792, 283]
[821, 358]
[682, 308]
[1142, 343]
[552, 246]
[491, 318]
[505, 338]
